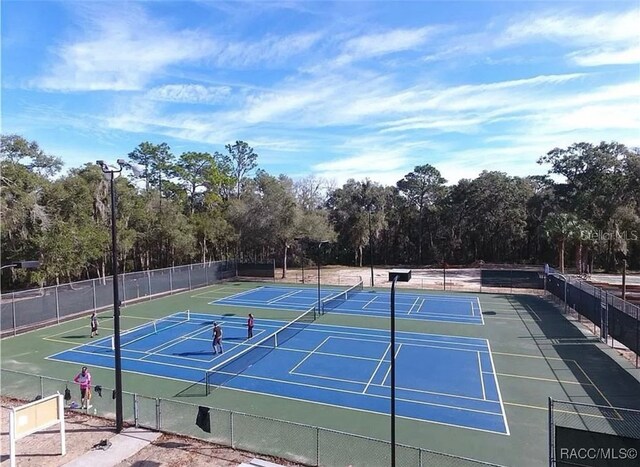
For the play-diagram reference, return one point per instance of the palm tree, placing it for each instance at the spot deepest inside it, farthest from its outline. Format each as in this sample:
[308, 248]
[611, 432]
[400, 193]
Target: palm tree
[561, 227]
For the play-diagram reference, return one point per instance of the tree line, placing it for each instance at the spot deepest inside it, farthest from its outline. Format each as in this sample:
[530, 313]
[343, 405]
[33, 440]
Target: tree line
[201, 206]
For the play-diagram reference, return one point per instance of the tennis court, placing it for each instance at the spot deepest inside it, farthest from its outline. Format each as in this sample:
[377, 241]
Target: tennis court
[441, 379]
[356, 301]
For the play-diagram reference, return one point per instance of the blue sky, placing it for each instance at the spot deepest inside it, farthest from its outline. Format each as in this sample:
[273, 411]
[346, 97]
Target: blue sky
[339, 90]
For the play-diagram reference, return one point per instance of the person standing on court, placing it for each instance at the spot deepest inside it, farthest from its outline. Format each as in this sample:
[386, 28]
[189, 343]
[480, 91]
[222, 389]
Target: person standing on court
[250, 326]
[84, 380]
[217, 338]
[94, 324]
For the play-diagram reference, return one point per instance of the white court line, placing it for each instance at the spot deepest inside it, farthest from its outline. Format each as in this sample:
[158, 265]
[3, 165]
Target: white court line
[239, 294]
[282, 297]
[370, 302]
[344, 407]
[172, 342]
[376, 370]
[484, 394]
[446, 394]
[414, 304]
[419, 345]
[389, 370]
[215, 290]
[310, 353]
[380, 335]
[428, 315]
[495, 378]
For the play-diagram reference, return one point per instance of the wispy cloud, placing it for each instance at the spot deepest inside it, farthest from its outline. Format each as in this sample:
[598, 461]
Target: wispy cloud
[189, 93]
[120, 52]
[604, 56]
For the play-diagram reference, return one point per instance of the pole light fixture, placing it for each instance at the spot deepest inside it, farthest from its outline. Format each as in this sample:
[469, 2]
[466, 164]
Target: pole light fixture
[111, 172]
[22, 265]
[395, 275]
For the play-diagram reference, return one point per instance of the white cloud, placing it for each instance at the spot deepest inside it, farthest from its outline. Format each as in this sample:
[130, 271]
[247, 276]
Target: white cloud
[120, 52]
[600, 56]
[270, 50]
[567, 27]
[189, 93]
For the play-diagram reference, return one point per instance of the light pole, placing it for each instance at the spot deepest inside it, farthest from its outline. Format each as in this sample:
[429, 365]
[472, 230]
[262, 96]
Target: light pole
[22, 265]
[370, 244]
[112, 172]
[395, 275]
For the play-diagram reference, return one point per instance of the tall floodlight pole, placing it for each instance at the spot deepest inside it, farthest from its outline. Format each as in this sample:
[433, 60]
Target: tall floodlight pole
[403, 275]
[112, 172]
[370, 245]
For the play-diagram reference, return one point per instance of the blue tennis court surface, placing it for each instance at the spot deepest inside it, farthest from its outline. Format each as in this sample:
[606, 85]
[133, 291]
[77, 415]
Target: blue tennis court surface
[447, 308]
[439, 379]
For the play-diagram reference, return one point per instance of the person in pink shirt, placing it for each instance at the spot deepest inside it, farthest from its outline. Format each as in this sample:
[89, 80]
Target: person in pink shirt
[84, 380]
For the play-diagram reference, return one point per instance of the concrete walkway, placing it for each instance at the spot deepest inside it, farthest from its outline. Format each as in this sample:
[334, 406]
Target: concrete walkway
[123, 446]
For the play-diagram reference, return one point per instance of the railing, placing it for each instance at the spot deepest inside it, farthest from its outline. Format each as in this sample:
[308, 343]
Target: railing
[296, 442]
[21, 311]
[613, 319]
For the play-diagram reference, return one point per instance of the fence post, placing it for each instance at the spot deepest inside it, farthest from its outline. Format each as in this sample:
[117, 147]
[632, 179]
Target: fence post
[57, 307]
[135, 410]
[124, 292]
[317, 446]
[41, 386]
[13, 311]
[158, 414]
[93, 283]
[189, 272]
[171, 280]
[206, 274]
[149, 281]
[551, 434]
[231, 426]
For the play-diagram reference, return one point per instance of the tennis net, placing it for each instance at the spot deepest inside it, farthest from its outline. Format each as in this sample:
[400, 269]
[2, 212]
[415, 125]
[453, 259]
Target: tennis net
[238, 363]
[153, 327]
[332, 302]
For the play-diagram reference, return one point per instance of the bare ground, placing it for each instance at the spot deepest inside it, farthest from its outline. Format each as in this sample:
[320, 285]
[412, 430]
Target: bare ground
[42, 449]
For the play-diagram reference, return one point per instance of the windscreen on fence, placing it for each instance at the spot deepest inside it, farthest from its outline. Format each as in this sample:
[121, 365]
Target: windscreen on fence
[620, 318]
[257, 269]
[513, 278]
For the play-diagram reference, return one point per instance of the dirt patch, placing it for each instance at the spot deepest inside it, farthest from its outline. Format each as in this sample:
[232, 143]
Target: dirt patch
[42, 449]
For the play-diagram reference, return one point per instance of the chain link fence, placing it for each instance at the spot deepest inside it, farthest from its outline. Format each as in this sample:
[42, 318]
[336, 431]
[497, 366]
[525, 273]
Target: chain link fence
[592, 435]
[613, 319]
[296, 442]
[21, 311]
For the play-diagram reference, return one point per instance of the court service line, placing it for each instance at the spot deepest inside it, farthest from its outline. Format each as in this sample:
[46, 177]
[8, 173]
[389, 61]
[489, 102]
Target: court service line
[282, 297]
[376, 370]
[417, 345]
[446, 394]
[537, 378]
[239, 294]
[484, 394]
[389, 370]
[310, 353]
[414, 304]
[563, 360]
[172, 342]
[212, 291]
[370, 302]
